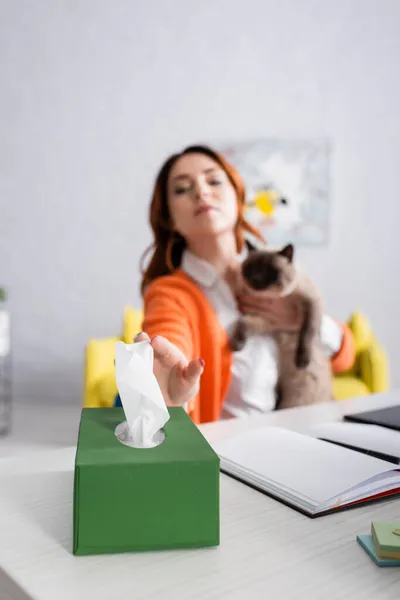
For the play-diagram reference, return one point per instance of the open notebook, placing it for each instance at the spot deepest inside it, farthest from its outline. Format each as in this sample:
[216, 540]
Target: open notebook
[308, 474]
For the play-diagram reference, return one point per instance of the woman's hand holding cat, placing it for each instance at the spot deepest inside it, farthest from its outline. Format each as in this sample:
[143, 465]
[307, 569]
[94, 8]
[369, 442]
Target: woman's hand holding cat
[280, 314]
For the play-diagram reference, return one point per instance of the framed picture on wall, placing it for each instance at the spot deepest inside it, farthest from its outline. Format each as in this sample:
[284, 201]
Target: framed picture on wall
[287, 187]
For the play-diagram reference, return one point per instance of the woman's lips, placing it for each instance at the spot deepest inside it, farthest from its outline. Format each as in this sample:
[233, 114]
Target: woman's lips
[204, 209]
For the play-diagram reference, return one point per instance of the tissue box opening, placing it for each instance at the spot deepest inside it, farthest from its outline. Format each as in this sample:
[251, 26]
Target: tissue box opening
[128, 499]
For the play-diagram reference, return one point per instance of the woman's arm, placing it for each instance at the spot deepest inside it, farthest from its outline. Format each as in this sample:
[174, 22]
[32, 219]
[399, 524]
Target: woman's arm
[164, 315]
[168, 328]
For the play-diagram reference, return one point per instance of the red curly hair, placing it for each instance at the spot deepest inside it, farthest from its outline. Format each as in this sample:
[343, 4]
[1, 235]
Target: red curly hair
[168, 245]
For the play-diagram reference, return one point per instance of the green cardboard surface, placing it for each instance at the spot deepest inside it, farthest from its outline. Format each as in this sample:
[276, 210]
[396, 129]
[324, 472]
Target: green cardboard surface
[367, 543]
[386, 541]
[129, 499]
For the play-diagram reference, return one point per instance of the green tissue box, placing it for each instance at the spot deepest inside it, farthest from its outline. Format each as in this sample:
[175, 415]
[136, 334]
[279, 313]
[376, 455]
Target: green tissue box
[128, 499]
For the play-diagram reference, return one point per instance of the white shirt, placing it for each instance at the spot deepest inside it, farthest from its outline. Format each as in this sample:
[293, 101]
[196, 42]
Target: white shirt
[254, 373]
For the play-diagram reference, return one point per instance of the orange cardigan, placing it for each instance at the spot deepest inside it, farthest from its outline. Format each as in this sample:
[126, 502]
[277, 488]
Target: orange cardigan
[176, 308]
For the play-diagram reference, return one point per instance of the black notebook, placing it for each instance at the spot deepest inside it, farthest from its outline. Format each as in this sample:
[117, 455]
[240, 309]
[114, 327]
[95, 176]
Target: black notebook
[385, 417]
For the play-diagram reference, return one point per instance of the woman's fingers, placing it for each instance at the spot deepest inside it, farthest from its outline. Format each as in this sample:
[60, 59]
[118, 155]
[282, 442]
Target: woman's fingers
[259, 297]
[193, 370]
[279, 314]
[141, 337]
[272, 323]
[278, 306]
[184, 381]
[255, 309]
[166, 353]
[265, 303]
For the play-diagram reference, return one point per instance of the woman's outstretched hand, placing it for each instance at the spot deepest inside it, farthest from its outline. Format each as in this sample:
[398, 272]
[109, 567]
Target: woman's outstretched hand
[281, 314]
[178, 378]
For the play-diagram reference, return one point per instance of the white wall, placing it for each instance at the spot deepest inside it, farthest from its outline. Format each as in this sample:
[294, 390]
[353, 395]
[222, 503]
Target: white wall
[95, 93]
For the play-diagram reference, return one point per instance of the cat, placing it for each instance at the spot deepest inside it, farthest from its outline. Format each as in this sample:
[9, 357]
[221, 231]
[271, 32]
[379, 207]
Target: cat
[304, 368]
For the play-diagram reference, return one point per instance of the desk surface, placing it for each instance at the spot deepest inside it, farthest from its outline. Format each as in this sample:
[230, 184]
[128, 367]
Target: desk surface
[267, 549]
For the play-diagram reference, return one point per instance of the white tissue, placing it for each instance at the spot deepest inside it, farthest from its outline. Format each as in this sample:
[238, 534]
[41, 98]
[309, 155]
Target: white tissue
[143, 403]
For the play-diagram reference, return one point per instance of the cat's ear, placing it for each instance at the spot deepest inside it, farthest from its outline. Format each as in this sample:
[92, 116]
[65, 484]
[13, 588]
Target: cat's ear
[287, 252]
[250, 246]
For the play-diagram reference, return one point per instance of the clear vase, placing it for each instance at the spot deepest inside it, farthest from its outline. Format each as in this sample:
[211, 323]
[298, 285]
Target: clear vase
[5, 366]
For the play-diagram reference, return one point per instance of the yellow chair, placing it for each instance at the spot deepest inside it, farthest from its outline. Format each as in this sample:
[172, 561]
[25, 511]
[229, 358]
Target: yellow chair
[370, 372]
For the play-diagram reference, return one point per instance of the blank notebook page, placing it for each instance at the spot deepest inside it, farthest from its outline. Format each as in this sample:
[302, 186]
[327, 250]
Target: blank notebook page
[313, 468]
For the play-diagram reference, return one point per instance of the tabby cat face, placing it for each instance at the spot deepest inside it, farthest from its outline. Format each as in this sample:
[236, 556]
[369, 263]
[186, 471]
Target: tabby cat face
[271, 271]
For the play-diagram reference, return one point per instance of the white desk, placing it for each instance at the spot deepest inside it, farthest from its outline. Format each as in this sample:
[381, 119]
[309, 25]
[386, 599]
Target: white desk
[267, 549]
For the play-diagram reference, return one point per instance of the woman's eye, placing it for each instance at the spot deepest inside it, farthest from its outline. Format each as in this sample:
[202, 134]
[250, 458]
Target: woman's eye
[181, 190]
[215, 182]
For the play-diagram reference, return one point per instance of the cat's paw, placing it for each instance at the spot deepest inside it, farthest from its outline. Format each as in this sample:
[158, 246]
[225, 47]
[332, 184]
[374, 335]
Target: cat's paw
[238, 338]
[303, 358]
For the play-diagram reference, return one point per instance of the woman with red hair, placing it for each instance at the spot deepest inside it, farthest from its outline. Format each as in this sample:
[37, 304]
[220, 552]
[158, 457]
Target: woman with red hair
[196, 215]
